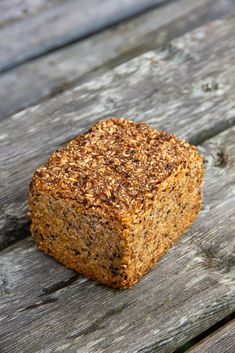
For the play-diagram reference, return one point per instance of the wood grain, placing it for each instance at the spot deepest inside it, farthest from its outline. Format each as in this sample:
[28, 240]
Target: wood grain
[191, 288]
[51, 29]
[51, 74]
[15, 10]
[187, 89]
[223, 340]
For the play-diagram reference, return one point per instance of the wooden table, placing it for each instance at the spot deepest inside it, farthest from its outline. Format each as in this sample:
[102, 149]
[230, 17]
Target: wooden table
[181, 79]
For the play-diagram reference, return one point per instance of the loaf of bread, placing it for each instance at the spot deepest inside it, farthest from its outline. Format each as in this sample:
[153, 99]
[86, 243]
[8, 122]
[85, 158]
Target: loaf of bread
[115, 199]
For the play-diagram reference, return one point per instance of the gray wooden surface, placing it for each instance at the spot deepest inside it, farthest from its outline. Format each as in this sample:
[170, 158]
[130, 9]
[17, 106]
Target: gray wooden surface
[51, 309]
[62, 24]
[59, 70]
[15, 10]
[187, 89]
[221, 341]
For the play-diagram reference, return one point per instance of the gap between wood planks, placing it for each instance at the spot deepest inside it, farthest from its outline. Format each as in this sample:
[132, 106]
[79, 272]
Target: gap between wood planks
[177, 90]
[54, 73]
[218, 338]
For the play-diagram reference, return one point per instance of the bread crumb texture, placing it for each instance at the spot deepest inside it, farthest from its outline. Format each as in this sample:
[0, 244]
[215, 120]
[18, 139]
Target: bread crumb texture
[112, 201]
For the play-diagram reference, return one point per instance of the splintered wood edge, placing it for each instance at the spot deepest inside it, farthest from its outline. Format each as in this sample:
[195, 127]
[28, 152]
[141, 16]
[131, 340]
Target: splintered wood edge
[190, 289]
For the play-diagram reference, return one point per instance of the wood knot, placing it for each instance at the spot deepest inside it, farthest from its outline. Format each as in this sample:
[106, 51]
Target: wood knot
[222, 159]
[210, 86]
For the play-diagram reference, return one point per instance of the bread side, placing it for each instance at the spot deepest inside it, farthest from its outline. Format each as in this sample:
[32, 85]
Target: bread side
[166, 217]
[82, 239]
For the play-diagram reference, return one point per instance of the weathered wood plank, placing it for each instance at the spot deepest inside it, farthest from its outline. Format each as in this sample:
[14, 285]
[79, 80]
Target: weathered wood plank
[191, 288]
[221, 341]
[15, 10]
[62, 24]
[187, 89]
[53, 73]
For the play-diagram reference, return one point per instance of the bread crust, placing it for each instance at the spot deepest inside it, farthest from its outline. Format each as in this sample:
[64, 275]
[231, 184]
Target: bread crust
[111, 202]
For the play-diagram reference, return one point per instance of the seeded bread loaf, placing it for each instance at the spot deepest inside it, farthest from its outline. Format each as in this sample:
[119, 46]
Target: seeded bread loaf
[112, 202]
